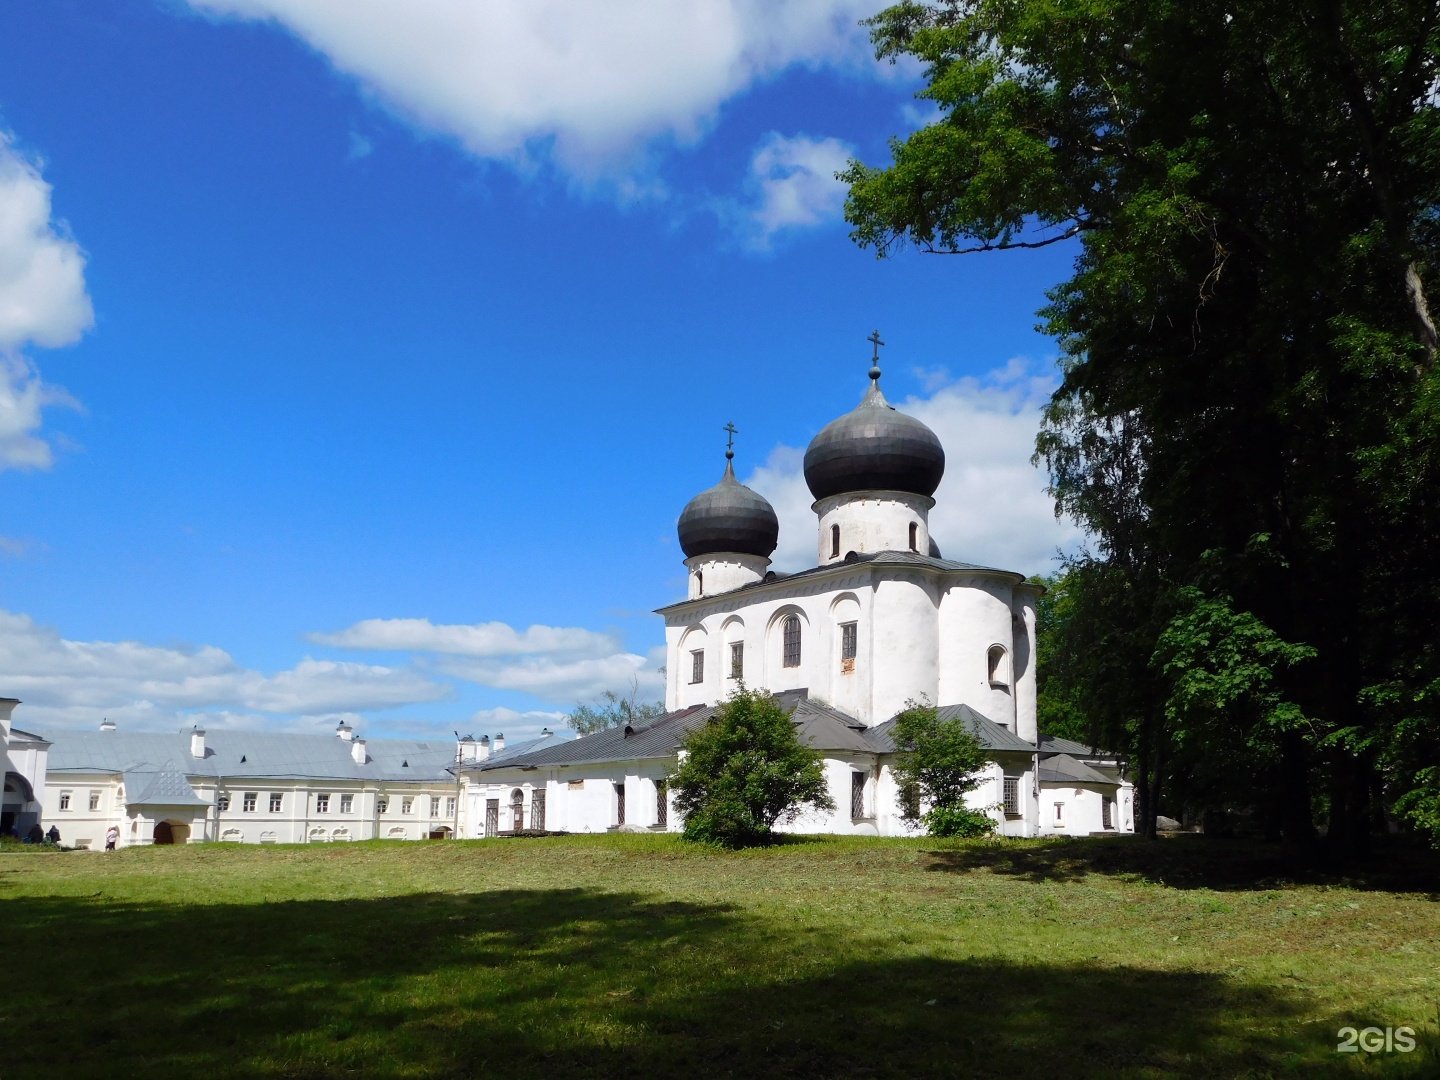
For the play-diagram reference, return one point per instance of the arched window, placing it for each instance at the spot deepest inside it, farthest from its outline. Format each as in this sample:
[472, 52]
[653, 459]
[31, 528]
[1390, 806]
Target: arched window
[914, 536]
[834, 541]
[517, 810]
[995, 662]
[792, 641]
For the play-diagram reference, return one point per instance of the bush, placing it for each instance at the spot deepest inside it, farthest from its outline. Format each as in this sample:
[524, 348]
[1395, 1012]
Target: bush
[939, 763]
[744, 771]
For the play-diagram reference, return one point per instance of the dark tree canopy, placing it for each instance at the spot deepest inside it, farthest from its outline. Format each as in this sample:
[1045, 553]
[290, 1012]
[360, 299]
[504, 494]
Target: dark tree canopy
[1247, 424]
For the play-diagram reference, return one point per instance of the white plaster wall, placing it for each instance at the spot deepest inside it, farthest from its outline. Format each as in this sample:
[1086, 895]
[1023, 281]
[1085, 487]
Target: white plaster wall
[722, 571]
[1023, 660]
[590, 805]
[974, 616]
[1082, 813]
[904, 649]
[872, 521]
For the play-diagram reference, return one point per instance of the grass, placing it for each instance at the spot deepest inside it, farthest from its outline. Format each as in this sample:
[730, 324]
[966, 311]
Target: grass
[640, 956]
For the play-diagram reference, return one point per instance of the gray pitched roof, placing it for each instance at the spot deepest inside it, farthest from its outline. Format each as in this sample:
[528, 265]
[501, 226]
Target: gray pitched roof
[1064, 769]
[159, 785]
[872, 558]
[257, 754]
[992, 736]
[1053, 744]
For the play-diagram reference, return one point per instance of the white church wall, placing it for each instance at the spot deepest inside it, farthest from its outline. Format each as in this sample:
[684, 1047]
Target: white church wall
[1075, 809]
[870, 521]
[723, 571]
[974, 617]
[904, 638]
[1022, 607]
[582, 798]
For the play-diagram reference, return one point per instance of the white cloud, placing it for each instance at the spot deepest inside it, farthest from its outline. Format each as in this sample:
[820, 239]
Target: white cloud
[68, 683]
[562, 664]
[791, 185]
[990, 509]
[42, 272]
[593, 83]
[43, 302]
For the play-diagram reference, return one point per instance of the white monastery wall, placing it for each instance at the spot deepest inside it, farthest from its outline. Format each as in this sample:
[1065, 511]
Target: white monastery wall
[870, 521]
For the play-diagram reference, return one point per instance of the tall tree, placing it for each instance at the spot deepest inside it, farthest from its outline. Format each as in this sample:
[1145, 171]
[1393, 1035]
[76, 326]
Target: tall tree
[1251, 403]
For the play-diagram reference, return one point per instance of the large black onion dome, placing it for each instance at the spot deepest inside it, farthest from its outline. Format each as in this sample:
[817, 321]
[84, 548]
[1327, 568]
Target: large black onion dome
[874, 447]
[728, 517]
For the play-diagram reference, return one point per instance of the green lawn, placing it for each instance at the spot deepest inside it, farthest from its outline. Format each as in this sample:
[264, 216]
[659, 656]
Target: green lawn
[641, 956]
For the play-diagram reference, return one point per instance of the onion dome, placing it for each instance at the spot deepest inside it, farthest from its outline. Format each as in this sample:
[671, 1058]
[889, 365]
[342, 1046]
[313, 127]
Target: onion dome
[728, 517]
[874, 448]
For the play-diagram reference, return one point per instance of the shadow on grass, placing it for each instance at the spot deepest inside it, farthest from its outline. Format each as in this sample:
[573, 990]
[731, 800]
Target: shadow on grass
[1195, 862]
[581, 983]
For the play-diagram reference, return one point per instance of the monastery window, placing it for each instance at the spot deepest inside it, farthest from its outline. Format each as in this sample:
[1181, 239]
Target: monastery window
[247, 803]
[834, 541]
[517, 810]
[914, 536]
[382, 804]
[792, 641]
[849, 642]
[697, 665]
[1012, 796]
[434, 806]
[64, 800]
[737, 660]
[407, 805]
[620, 803]
[995, 664]
[276, 801]
[322, 804]
[857, 795]
[450, 806]
[94, 800]
[662, 805]
[1107, 814]
[1059, 813]
[347, 804]
[222, 801]
[537, 810]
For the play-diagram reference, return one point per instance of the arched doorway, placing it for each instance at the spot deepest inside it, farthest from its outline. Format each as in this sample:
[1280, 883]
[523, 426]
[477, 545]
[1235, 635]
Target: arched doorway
[517, 810]
[171, 832]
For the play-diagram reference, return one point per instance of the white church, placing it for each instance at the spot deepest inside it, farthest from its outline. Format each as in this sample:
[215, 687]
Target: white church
[880, 620]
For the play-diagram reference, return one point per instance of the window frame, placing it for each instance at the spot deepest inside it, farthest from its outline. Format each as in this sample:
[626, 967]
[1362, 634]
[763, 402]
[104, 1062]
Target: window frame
[914, 536]
[995, 657]
[737, 660]
[407, 805]
[248, 800]
[849, 642]
[1010, 796]
[94, 801]
[222, 801]
[857, 794]
[322, 802]
[277, 802]
[834, 541]
[65, 797]
[347, 803]
[697, 666]
[791, 645]
[382, 804]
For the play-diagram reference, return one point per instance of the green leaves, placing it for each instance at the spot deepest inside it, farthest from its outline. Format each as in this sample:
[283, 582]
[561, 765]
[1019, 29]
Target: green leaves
[938, 764]
[745, 770]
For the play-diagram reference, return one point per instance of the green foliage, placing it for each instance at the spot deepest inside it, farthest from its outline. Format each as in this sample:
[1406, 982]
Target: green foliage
[745, 770]
[1251, 396]
[612, 710]
[938, 764]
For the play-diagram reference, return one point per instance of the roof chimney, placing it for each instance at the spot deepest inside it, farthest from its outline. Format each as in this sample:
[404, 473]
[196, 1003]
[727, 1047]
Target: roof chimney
[344, 731]
[482, 748]
[107, 725]
[466, 749]
[497, 744]
[197, 742]
[357, 751]
[7, 706]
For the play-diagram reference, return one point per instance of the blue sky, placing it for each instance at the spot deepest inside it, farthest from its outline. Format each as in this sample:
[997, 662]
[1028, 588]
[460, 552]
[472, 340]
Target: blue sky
[358, 358]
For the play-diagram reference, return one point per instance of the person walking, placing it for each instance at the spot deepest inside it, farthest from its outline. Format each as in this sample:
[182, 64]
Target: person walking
[112, 837]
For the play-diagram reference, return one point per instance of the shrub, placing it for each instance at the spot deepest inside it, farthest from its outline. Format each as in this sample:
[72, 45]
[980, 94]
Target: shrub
[744, 771]
[939, 762]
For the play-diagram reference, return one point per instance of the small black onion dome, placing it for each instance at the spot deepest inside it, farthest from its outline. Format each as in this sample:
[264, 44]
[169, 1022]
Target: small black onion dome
[728, 517]
[874, 447]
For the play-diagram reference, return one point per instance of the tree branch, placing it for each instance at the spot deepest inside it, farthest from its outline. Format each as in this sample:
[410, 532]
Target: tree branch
[1073, 231]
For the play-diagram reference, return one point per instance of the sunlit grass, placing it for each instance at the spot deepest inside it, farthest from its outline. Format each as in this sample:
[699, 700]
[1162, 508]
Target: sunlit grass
[640, 955]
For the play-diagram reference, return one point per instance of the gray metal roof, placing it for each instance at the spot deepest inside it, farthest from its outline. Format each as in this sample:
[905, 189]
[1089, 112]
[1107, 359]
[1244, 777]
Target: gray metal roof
[258, 754]
[159, 785]
[1064, 769]
[992, 736]
[874, 447]
[870, 558]
[1053, 744]
[728, 517]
